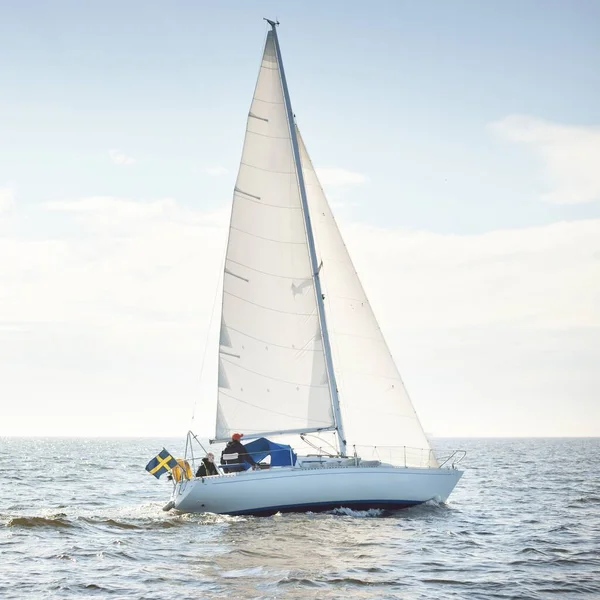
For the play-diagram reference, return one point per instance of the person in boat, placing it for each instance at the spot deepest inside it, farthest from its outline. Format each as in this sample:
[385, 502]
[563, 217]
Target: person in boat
[207, 466]
[236, 447]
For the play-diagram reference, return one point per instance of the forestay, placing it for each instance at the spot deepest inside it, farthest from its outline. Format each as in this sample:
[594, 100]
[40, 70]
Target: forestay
[272, 373]
[375, 406]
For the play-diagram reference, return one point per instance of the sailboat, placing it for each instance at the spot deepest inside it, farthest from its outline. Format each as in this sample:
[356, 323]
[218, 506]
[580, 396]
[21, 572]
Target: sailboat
[301, 355]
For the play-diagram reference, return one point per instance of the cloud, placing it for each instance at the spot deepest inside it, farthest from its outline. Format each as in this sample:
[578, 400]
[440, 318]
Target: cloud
[488, 330]
[215, 170]
[544, 277]
[120, 207]
[336, 176]
[7, 199]
[121, 159]
[570, 156]
[494, 334]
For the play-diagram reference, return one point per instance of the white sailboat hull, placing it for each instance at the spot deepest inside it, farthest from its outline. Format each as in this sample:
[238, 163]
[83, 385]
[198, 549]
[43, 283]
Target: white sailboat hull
[267, 492]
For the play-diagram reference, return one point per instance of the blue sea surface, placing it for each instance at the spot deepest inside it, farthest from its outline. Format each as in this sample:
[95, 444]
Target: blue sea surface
[81, 518]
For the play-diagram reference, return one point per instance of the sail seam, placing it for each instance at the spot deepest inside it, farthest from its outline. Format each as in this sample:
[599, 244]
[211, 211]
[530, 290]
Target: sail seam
[268, 170]
[266, 101]
[252, 199]
[265, 272]
[285, 312]
[272, 137]
[301, 349]
[275, 412]
[305, 385]
[266, 238]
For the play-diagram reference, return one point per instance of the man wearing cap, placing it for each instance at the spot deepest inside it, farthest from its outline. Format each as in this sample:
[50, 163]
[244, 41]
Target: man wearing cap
[236, 447]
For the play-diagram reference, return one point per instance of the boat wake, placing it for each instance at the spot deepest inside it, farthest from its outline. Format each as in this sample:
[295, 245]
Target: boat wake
[360, 514]
[57, 521]
[147, 516]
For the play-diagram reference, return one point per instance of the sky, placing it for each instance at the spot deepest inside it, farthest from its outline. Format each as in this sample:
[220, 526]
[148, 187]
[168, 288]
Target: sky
[459, 146]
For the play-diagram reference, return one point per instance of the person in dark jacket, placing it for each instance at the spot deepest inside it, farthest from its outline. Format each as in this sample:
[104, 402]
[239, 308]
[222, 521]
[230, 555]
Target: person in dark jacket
[236, 447]
[207, 466]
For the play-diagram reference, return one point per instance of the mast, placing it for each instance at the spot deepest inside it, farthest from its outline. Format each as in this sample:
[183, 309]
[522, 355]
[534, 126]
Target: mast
[311, 248]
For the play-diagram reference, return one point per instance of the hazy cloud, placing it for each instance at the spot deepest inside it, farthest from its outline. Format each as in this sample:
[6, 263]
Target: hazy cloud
[121, 159]
[215, 170]
[118, 308]
[121, 207]
[337, 176]
[7, 199]
[569, 156]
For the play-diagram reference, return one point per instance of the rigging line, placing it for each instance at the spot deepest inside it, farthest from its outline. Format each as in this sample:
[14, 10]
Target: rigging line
[340, 379]
[269, 274]
[274, 412]
[283, 312]
[308, 385]
[260, 237]
[301, 349]
[212, 317]
[268, 170]
[333, 391]
[247, 197]
[318, 448]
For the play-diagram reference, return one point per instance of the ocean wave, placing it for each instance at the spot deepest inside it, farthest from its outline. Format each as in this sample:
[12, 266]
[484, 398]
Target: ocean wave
[300, 581]
[585, 500]
[64, 521]
[58, 522]
[499, 540]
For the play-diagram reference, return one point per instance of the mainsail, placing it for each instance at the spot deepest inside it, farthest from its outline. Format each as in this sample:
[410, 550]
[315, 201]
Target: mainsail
[272, 369]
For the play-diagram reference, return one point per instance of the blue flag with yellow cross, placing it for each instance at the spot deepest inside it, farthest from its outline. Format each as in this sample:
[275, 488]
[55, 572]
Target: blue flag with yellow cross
[161, 463]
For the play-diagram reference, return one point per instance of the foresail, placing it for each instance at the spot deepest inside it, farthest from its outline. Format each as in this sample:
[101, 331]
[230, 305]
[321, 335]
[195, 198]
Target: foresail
[376, 410]
[272, 372]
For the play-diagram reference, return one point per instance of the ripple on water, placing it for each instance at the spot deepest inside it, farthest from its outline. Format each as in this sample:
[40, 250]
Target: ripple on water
[524, 530]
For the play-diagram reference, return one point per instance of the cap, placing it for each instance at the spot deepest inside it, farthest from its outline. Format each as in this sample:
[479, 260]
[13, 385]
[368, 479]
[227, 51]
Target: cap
[237, 436]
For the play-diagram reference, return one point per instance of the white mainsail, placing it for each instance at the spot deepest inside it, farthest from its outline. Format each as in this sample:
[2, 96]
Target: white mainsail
[376, 409]
[272, 370]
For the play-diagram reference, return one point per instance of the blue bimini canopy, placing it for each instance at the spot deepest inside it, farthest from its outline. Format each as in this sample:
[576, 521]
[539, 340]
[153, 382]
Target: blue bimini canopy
[281, 455]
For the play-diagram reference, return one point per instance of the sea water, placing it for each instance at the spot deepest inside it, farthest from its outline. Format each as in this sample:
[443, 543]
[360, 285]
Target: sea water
[81, 518]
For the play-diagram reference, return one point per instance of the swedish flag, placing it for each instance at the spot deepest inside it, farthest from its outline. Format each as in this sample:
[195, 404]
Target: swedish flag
[161, 463]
